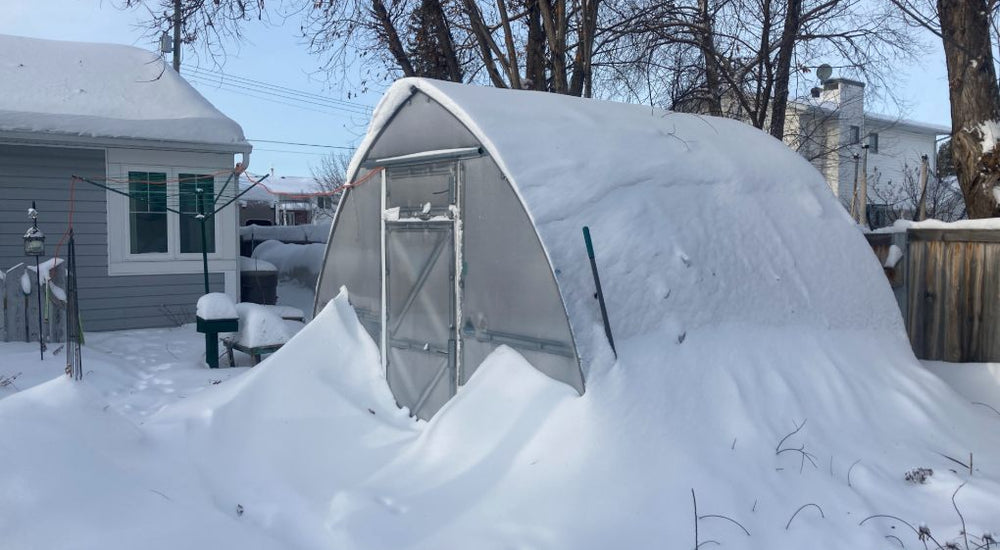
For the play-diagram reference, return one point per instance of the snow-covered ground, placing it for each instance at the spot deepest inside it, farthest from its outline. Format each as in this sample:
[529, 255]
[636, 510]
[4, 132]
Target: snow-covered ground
[308, 450]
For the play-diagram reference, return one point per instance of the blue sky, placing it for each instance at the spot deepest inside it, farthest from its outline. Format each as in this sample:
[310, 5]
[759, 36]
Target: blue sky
[276, 55]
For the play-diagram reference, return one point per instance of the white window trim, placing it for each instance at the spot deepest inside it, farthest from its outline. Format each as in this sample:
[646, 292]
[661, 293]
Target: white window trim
[120, 259]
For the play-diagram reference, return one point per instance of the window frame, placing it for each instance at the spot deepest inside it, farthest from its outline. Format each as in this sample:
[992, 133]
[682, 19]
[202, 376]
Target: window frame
[215, 186]
[853, 134]
[121, 260]
[130, 211]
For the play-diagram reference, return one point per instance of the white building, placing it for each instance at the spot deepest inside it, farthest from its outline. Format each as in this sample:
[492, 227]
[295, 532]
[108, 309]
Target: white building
[146, 141]
[285, 200]
[832, 130]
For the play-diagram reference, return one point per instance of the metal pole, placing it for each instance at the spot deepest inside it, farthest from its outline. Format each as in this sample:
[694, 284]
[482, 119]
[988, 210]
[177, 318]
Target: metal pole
[854, 194]
[177, 36]
[200, 197]
[70, 333]
[600, 291]
[922, 208]
[38, 281]
[863, 205]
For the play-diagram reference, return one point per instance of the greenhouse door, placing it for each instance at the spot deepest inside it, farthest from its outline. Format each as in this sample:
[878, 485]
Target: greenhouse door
[419, 337]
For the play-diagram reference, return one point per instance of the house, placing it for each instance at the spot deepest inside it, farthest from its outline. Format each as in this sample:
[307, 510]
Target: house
[462, 232]
[285, 200]
[839, 137]
[120, 117]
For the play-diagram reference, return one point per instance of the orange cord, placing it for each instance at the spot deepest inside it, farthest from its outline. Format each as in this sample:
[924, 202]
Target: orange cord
[69, 223]
[319, 193]
[239, 171]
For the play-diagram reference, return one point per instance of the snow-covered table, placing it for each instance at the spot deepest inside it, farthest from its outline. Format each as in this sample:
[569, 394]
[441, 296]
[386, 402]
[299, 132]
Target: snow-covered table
[263, 329]
[216, 313]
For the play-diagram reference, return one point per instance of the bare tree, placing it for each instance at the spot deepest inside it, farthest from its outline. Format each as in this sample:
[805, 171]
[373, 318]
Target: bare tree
[901, 200]
[206, 24]
[331, 175]
[964, 27]
[535, 44]
[757, 55]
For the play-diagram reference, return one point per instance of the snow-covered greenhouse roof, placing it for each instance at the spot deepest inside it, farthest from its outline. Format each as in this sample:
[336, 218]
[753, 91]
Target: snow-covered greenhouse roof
[700, 219]
[104, 91]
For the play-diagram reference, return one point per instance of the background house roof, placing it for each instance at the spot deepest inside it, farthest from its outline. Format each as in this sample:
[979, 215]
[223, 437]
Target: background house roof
[828, 108]
[104, 91]
[906, 124]
[276, 188]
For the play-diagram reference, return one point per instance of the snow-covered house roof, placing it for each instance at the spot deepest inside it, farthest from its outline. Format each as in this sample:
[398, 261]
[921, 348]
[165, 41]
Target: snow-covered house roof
[909, 125]
[61, 90]
[830, 108]
[698, 221]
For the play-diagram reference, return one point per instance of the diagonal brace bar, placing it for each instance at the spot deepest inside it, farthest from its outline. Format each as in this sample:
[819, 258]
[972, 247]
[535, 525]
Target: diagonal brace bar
[419, 283]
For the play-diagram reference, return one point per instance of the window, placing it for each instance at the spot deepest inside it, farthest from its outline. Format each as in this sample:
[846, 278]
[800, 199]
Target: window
[152, 209]
[160, 214]
[195, 196]
[854, 135]
[873, 142]
[147, 212]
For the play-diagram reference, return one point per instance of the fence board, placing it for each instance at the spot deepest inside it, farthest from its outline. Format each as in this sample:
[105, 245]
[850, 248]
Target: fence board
[14, 303]
[19, 311]
[950, 293]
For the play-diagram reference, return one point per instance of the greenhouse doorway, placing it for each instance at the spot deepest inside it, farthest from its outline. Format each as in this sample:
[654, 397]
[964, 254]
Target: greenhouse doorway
[421, 210]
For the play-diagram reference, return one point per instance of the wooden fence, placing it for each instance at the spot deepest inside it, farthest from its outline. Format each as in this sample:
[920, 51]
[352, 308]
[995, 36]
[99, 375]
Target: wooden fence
[948, 288]
[19, 288]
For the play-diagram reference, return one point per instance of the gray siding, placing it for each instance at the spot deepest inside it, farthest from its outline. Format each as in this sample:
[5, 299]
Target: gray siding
[43, 174]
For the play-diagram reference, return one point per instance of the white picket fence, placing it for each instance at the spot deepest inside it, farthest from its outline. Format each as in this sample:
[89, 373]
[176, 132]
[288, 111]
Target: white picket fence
[19, 288]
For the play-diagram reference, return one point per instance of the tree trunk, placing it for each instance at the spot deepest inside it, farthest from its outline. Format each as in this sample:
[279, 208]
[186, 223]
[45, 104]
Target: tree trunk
[706, 43]
[783, 71]
[484, 42]
[388, 31]
[534, 60]
[552, 15]
[975, 101]
[580, 83]
[444, 40]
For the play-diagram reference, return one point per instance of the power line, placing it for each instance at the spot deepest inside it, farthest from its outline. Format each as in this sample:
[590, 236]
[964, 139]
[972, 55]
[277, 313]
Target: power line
[270, 95]
[278, 88]
[302, 144]
[273, 98]
[274, 93]
[313, 153]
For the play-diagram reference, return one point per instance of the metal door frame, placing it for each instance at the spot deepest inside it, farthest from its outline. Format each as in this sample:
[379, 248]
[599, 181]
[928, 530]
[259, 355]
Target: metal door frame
[453, 227]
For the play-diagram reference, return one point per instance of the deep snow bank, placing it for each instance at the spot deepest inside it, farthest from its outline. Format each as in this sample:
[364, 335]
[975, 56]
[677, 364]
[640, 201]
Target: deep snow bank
[313, 417]
[314, 449]
[75, 473]
[299, 262]
[516, 461]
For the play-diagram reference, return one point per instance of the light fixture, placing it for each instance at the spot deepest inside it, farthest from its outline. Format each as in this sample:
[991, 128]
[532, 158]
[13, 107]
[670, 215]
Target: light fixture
[34, 239]
[166, 43]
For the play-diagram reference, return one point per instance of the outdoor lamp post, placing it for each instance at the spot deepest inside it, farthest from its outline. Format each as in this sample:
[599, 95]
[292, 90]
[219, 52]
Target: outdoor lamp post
[34, 245]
